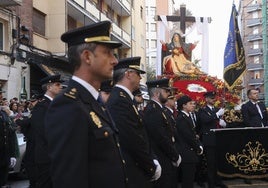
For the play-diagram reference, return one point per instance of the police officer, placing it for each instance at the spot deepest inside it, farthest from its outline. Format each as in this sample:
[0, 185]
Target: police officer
[24, 124]
[189, 145]
[52, 87]
[141, 166]
[169, 110]
[82, 140]
[159, 131]
[209, 119]
[7, 145]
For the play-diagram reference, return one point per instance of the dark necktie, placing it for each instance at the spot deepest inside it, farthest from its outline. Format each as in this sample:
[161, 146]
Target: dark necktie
[192, 118]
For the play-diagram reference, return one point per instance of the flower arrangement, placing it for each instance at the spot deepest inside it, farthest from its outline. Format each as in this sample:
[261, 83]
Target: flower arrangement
[196, 85]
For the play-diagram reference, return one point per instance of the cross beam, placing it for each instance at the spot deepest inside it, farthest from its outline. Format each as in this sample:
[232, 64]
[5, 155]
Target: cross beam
[182, 18]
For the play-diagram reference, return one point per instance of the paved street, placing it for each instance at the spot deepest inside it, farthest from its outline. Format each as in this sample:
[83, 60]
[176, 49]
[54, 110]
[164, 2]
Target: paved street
[235, 183]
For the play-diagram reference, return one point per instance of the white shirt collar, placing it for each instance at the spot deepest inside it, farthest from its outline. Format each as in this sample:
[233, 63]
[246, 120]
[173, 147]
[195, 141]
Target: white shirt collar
[157, 103]
[210, 107]
[50, 98]
[86, 85]
[170, 109]
[126, 90]
[186, 113]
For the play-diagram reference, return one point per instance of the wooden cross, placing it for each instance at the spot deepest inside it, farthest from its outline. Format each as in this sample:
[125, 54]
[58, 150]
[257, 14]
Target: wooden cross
[182, 18]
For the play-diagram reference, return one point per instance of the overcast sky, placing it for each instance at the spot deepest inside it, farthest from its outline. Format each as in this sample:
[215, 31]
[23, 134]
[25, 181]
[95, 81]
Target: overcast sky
[219, 11]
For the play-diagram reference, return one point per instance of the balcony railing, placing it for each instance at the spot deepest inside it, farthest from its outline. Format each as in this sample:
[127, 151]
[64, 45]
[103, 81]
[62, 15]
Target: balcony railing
[6, 3]
[254, 52]
[91, 14]
[254, 66]
[252, 8]
[254, 22]
[121, 7]
[258, 81]
[254, 37]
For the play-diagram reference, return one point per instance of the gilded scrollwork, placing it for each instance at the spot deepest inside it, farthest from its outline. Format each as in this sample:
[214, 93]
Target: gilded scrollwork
[252, 159]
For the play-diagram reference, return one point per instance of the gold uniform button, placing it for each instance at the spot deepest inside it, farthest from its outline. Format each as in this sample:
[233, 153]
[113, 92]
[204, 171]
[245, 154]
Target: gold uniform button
[106, 134]
[123, 161]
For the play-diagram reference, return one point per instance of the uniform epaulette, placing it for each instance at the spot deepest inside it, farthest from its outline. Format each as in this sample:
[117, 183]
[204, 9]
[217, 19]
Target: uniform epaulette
[71, 93]
[121, 94]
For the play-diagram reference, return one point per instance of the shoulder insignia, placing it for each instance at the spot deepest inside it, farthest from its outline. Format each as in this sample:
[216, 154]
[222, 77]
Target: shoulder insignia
[121, 94]
[71, 93]
[95, 119]
[135, 109]
[164, 115]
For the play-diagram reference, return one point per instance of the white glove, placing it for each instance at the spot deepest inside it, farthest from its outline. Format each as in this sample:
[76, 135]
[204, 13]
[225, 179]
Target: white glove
[13, 161]
[220, 112]
[177, 163]
[158, 171]
[222, 123]
[201, 152]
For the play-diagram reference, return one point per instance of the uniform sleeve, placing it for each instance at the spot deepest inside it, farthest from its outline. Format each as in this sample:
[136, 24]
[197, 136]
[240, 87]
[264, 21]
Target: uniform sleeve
[67, 143]
[245, 115]
[155, 125]
[187, 134]
[131, 134]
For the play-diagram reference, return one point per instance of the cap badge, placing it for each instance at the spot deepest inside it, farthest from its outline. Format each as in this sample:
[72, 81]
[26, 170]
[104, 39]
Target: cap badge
[95, 119]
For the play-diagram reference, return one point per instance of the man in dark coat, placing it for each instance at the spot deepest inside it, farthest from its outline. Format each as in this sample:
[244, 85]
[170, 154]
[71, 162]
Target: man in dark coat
[52, 87]
[24, 124]
[82, 139]
[7, 144]
[254, 112]
[169, 111]
[141, 166]
[189, 145]
[209, 119]
[159, 132]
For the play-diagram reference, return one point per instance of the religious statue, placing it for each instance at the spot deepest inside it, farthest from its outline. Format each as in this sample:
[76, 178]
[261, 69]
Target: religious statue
[177, 57]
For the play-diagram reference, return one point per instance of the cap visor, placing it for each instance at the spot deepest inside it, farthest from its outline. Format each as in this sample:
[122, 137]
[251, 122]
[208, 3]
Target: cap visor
[112, 44]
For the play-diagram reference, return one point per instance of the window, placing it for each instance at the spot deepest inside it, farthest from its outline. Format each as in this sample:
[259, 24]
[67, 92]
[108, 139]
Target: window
[256, 59]
[257, 75]
[142, 41]
[255, 45]
[152, 11]
[147, 11]
[153, 27]
[1, 36]
[141, 12]
[39, 22]
[153, 61]
[255, 30]
[153, 43]
[147, 43]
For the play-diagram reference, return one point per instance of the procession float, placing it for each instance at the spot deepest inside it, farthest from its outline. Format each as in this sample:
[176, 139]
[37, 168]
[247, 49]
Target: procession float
[188, 79]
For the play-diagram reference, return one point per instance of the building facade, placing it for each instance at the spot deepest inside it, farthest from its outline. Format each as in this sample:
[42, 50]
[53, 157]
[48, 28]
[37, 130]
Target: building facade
[155, 8]
[253, 17]
[31, 45]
